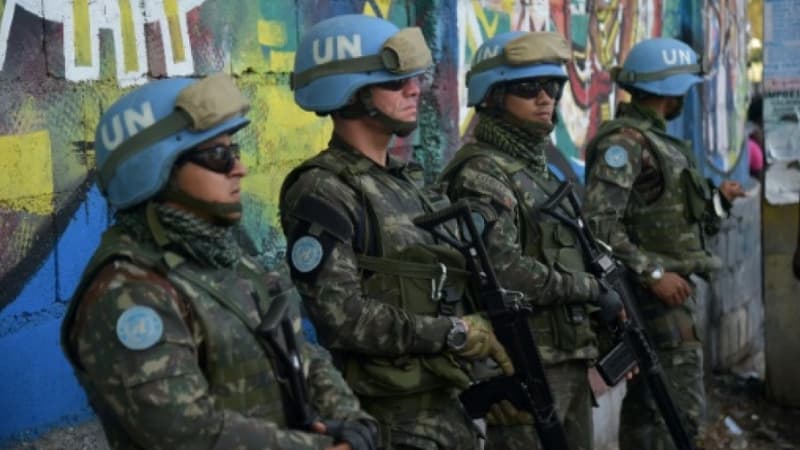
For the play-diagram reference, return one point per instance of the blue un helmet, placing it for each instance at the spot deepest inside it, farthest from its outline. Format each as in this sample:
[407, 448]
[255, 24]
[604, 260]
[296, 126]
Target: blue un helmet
[515, 55]
[141, 135]
[340, 55]
[661, 66]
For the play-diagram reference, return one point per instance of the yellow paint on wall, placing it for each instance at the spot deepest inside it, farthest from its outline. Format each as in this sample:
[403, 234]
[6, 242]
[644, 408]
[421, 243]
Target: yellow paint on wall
[285, 135]
[128, 36]
[172, 12]
[489, 28]
[82, 34]
[27, 168]
[383, 8]
[271, 33]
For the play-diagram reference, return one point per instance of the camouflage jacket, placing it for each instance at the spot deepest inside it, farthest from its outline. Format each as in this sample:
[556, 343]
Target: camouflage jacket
[337, 208]
[187, 372]
[505, 203]
[645, 196]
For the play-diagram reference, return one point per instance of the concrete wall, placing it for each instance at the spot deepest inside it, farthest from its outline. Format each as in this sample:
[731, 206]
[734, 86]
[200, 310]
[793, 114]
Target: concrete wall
[63, 62]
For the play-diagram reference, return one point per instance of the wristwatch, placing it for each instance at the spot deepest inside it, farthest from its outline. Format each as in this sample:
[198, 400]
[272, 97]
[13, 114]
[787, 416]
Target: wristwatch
[457, 336]
[653, 273]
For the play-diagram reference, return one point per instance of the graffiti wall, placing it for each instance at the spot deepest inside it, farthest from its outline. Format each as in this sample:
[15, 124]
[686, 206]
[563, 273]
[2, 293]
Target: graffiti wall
[63, 62]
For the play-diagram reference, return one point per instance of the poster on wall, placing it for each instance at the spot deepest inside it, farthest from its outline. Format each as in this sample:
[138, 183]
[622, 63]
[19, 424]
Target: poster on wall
[782, 101]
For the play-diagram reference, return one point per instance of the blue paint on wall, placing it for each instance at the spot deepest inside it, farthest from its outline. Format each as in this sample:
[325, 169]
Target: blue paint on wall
[39, 391]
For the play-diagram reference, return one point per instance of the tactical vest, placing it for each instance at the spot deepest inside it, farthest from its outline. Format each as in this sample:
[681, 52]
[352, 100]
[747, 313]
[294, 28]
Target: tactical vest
[406, 272]
[235, 363]
[564, 330]
[672, 224]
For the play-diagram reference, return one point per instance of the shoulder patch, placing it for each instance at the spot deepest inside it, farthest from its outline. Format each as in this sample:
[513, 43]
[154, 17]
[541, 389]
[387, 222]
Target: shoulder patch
[306, 254]
[139, 328]
[616, 156]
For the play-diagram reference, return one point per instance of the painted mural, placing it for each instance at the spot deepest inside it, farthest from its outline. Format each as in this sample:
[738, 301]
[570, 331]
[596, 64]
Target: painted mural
[63, 62]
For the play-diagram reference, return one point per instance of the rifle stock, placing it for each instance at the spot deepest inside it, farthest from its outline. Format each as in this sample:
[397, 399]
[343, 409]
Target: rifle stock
[508, 313]
[633, 344]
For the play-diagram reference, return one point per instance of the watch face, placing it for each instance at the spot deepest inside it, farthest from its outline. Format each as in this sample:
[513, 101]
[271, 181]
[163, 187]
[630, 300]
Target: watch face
[458, 339]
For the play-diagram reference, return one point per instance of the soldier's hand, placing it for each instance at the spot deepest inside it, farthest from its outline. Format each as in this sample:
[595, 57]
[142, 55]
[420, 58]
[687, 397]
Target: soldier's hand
[349, 434]
[731, 190]
[672, 289]
[482, 343]
[610, 304]
[504, 413]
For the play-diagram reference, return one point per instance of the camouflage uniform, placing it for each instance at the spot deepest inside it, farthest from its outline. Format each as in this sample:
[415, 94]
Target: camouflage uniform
[207, 381]
[387, 340]
[646, 198]
[504, 175]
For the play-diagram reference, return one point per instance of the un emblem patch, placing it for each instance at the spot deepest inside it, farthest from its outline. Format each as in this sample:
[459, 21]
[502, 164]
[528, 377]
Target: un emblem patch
[139, 328]
[616, 156]
[306, 254]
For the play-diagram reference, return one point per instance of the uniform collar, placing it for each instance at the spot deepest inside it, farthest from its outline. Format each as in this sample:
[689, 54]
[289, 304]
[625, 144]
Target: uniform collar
[354, 156]
[637, 111]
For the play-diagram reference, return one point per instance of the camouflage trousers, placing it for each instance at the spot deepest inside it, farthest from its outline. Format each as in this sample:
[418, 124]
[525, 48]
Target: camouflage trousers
[570, 385]
[443, 425]
[641, 425]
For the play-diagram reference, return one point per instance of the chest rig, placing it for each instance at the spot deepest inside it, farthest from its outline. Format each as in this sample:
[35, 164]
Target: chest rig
[562, 331]
[226, 305]
[672, 224]
[403, 266]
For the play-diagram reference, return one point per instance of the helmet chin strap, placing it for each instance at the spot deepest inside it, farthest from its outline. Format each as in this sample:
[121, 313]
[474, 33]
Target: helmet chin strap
[364, 106]
[219, 211]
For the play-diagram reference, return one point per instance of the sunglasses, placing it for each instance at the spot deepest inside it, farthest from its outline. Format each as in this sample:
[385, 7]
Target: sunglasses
[531, 88]
[219, 158]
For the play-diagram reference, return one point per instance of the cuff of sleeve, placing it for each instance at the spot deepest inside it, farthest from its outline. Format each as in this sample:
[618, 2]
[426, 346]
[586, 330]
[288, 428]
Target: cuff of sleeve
[431, 333]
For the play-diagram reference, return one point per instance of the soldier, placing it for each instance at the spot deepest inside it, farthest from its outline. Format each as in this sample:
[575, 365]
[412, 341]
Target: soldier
[515, 82]
[180, 340]
[647, 199]
[382, 294]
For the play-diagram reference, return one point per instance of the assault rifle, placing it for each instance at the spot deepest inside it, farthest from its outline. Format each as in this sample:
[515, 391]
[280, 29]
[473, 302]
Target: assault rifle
[633, 345]
[289, 364]
[527, 389]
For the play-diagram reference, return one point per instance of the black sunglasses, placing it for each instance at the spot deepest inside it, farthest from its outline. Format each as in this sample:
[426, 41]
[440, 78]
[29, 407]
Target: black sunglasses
[219, 158]
[531, 87]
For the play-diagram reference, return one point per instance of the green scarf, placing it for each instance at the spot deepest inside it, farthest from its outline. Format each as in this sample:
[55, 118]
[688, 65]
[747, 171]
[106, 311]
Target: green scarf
[636, 110]
[210, 245]
[526, 141]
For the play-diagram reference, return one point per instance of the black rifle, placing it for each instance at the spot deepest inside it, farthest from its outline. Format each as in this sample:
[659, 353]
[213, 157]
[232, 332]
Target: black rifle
[633, 345]
[289, 364]
[508, 312]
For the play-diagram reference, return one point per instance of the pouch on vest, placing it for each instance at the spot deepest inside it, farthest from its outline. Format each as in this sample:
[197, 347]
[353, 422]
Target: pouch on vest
[698, 194]
[423, 279]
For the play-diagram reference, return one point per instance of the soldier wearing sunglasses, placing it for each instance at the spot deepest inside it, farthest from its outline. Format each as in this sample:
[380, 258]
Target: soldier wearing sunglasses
[384, 296]
[515, 82]
[179, 339]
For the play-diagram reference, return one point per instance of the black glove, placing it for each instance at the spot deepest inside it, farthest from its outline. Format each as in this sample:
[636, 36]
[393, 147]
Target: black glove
[609, 302]
[361, 435]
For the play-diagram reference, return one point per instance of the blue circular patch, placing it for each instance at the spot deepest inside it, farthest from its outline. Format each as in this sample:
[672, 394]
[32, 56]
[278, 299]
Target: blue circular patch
[139, 328]
[306, 254]
[616, 156]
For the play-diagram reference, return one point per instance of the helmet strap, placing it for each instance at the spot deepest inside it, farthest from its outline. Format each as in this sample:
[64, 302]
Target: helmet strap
[397, 127]
[217, 210]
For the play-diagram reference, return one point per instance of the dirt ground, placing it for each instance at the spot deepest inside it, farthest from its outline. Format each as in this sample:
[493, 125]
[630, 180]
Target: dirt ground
[741, 418]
